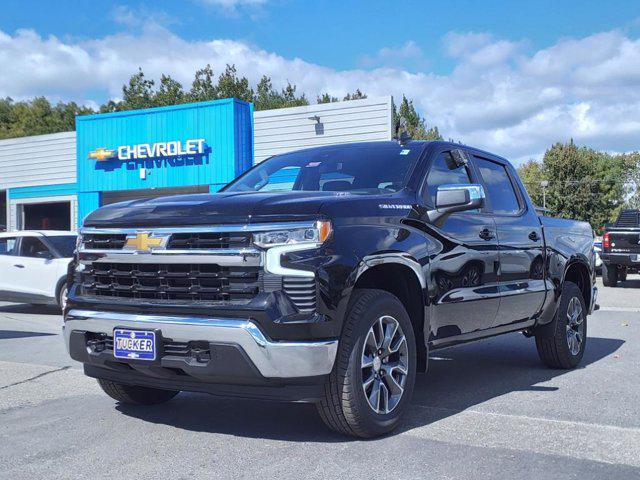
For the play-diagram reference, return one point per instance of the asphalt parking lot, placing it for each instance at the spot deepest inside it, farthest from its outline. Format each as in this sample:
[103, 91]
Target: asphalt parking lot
[484, 409]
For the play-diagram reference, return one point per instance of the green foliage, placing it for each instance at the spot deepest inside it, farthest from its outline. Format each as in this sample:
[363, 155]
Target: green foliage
[37, 117]
[532, 174]
[632, 161]
[584, 184]
[326, 98]
[416, 125]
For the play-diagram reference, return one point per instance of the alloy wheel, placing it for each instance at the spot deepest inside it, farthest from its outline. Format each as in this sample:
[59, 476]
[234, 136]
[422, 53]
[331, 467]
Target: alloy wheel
[385, 364]
[575, 326]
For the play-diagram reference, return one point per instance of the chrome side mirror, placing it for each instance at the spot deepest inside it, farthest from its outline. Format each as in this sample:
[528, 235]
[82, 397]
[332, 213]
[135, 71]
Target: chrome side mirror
[456, 198]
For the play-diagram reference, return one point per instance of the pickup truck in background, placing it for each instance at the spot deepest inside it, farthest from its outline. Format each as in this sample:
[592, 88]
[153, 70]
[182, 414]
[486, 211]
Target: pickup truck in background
[621, 248]
[326, 275]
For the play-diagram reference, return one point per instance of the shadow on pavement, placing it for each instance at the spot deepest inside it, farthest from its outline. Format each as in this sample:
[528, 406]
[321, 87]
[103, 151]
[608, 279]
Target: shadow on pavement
[458, 378]
[11, 334]
[629, 284]
[30, 309]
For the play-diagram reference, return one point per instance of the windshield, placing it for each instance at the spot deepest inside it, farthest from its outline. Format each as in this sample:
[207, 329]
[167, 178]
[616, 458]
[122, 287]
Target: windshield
[376, 168]
[64, 244]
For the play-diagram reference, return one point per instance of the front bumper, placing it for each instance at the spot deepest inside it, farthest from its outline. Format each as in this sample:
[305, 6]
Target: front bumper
[270, 359]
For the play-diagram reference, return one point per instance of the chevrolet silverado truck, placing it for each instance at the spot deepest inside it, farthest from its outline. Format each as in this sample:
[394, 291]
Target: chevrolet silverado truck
[621, 248]
[326, 275]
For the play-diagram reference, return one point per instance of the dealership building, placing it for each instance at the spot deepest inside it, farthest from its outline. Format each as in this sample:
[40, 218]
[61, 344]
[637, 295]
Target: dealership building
[54, 181]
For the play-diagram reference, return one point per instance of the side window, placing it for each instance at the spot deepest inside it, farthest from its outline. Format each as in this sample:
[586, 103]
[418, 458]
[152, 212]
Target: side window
[33, 247]
[499, 187]
[444, 171]
[7, 246]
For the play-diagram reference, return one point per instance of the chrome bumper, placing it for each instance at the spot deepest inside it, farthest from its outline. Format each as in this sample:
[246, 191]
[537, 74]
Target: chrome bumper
[272, 359]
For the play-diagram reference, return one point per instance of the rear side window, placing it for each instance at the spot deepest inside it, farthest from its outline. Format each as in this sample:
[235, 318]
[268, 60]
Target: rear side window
[7, 246]
[444, 171]
[499, 187]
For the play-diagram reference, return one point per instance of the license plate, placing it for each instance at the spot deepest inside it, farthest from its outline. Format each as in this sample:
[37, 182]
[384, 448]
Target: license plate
[134, 344]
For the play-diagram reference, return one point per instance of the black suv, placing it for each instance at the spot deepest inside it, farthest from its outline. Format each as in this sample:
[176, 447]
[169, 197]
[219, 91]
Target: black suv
[325, 275]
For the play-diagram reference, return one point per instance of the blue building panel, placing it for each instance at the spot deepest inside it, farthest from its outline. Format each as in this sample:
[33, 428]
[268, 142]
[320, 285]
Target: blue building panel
[207, 143]
[43, 191]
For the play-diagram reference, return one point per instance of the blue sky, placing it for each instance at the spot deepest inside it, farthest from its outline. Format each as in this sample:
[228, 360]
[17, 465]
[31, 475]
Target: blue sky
[512, 76]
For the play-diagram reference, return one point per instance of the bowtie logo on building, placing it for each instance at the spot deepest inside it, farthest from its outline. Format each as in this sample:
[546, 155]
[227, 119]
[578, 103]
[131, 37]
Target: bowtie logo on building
[101, 154]
[144, 242]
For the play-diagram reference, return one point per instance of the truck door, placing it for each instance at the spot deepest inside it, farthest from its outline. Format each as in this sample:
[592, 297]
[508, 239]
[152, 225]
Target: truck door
[463, 288]
[521, 277]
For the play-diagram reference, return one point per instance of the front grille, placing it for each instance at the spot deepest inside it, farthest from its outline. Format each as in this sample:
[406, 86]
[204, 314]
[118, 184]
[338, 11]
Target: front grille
[111, 241]
[204, 282]
[177, 241]
[301, 291]
[208, 241]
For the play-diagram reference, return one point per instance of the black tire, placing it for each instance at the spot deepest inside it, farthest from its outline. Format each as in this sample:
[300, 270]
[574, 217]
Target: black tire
[609, 275]
[622, 275]
[552, 341]
[62, 297]
[345, 407]
[134, 395]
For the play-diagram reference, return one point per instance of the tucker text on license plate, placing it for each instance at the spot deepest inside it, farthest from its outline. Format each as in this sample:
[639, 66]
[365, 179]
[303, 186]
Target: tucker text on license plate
[134, 344]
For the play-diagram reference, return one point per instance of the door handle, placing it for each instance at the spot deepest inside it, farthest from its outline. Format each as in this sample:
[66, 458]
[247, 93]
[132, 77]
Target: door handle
[534, 236]
[486, 234]
[17, 265]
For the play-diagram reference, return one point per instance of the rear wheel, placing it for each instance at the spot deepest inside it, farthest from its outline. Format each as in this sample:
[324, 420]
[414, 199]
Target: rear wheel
[134, 395]
[561, 344]
[609, 275]
[622, 275]
[372, 381]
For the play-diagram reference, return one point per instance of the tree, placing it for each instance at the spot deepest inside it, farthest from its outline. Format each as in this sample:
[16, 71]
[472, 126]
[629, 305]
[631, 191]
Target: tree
[231, 86]
[416, 125]
[632, 161]
[326, 98]
[37, 117]
[170, 92]
[357, 95]
[585, 184]
[532, 174]
[203, 87]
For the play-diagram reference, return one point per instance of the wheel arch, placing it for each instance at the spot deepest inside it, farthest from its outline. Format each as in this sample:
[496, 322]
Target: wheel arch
[403, 277]
[578, 272]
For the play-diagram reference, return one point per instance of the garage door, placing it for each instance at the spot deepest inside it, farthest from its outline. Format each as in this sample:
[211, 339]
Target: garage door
[126, 195]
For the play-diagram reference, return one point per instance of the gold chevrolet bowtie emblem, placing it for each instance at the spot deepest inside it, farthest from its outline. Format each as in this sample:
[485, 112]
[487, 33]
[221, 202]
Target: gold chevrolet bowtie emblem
[101, 154]
[143, 242]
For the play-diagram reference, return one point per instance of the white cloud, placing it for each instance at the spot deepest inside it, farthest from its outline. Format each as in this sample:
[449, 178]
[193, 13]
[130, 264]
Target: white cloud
[501, 95]
[407, 55]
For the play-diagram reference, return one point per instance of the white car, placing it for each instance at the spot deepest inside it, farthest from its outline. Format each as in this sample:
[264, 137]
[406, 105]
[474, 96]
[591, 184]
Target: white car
[33, 266]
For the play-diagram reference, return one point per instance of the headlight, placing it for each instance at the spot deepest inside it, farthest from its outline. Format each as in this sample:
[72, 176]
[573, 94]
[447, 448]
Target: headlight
[316, 234]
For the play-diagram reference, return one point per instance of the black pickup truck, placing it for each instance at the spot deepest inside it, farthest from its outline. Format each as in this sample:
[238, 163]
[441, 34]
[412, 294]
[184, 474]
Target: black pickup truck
[325, 275]
[621, 248]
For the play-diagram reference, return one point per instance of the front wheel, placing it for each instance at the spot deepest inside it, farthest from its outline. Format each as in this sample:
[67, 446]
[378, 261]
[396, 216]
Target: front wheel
[135, 395]
[372, 381]
[561, 344]
[62, 298]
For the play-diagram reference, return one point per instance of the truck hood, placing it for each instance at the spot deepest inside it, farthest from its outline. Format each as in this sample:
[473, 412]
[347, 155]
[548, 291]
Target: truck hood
[217, 208]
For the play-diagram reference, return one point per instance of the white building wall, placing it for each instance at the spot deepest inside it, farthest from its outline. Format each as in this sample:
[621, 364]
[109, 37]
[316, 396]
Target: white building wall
[38, 160]
[287, 129]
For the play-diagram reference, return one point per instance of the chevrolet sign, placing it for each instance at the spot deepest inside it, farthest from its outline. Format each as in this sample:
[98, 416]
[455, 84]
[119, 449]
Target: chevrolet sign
[151, 150]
